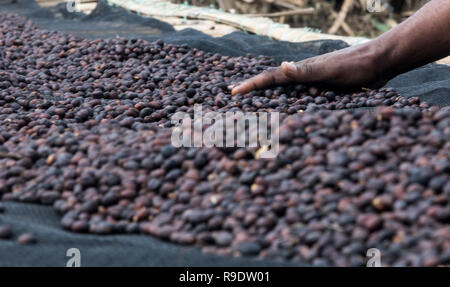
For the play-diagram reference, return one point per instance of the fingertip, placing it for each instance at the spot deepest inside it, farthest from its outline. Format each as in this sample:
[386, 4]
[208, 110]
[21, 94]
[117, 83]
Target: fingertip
[288, 68]
[235, 90]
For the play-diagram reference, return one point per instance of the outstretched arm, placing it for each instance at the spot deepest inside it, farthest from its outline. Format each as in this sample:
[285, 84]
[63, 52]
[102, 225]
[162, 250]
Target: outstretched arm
[421, 39]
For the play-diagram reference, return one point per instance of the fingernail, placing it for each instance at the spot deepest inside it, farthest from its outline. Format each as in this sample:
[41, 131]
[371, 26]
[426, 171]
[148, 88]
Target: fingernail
[289, 65]
[235, 87]
[235, 90]
[230, 87]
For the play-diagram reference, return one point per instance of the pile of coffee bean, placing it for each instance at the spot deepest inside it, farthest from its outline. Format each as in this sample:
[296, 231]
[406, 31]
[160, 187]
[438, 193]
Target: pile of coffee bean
[85, 127]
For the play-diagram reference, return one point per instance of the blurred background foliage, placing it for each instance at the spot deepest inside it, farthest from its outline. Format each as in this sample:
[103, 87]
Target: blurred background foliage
[357, 20]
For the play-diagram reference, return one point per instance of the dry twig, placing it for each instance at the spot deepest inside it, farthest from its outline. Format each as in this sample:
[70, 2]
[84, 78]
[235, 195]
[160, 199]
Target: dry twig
[341, 16]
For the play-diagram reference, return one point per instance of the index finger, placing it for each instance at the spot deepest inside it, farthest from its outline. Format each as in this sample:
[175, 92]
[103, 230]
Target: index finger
[271, 77]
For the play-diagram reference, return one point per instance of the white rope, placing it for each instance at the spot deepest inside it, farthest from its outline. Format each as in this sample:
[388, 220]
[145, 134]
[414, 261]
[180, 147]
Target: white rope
[261, 26]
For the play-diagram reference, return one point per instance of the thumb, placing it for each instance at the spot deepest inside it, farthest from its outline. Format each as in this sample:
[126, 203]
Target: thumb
[289, 69]
[299, 72]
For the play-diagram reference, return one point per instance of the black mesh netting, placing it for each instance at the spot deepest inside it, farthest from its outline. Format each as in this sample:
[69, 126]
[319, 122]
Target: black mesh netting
[431, 83]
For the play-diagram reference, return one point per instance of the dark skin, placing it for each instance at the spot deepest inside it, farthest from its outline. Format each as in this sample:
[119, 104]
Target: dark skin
[421, 39]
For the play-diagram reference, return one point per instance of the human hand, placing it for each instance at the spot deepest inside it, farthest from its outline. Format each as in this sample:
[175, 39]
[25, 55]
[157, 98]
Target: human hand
[351, 67]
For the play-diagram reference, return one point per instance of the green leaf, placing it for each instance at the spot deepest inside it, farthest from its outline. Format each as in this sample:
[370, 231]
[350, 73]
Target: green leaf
[382, 27]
